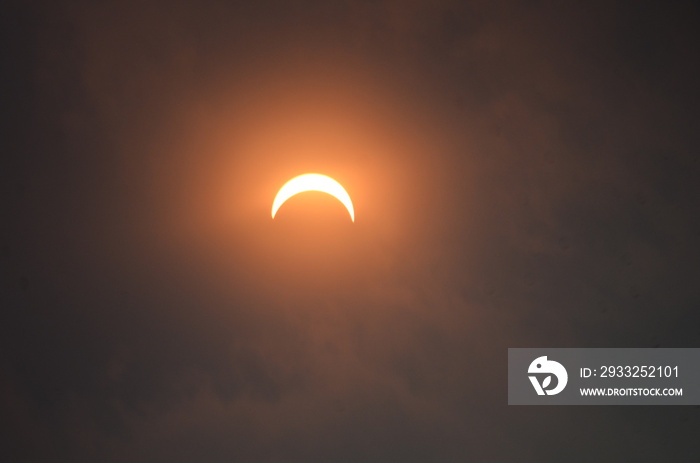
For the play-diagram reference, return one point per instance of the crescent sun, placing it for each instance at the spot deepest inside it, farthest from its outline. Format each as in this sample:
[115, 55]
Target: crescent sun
[313, 182]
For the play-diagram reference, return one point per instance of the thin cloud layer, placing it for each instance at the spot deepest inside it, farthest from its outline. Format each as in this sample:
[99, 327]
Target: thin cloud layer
[523, 175]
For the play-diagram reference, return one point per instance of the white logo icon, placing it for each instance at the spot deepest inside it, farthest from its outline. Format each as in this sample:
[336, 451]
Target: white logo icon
[542, 365]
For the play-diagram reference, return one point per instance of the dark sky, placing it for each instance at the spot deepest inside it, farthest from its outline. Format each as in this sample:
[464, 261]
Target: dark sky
[525, 174]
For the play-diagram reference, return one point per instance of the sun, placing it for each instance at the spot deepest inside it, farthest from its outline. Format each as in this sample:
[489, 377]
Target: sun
[313, 182]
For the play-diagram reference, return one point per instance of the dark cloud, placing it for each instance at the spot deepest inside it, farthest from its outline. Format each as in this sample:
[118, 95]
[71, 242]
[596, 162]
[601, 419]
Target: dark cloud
[524, 174]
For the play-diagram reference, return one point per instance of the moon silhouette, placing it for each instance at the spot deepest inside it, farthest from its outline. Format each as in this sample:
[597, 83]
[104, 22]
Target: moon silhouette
[313, 182]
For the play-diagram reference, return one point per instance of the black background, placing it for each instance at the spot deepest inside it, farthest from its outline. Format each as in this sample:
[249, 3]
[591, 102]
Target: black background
[525, 174]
